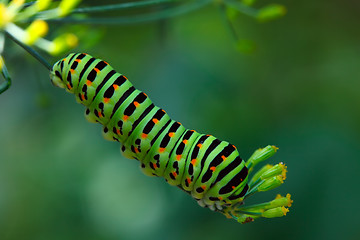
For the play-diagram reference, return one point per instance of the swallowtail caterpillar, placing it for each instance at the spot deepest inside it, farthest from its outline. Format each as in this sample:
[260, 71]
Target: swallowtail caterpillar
[208, 169]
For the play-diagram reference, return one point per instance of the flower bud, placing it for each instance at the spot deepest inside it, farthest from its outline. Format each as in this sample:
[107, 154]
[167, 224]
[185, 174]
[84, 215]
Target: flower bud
[36, 30]
[66, 6]
[42, 4]
[281, 201]
[271, 183]
[3, 15]
[261, 154]
[63, 43]
[275, 212]
[278, 169]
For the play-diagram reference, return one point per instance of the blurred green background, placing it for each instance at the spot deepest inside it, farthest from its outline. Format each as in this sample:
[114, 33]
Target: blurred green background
[59, 179]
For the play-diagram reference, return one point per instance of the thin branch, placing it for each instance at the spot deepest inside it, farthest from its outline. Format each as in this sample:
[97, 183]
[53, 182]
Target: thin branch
[30, 50]
[252, 12]
[5, 85]
[228, 22]
[120, 6]
[167, 13]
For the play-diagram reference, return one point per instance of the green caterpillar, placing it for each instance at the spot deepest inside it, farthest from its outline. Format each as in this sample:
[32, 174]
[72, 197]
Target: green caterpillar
[209, 169]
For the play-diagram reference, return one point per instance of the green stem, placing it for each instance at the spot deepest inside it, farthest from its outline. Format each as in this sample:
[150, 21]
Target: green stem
[252, 12]
[250, 213]
[228, 22]
[252, 184]
[119, 6]
[5, 85]
[30, 50]
[260, 205]
[253, 189]
[167, 13]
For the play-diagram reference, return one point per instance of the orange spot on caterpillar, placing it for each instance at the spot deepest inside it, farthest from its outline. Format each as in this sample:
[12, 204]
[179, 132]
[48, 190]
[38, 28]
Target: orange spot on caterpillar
[212, 168]
[125, 77]
[234, 146]
[171, 134]
[174, 173]
[203, 187]
[154, 165]
[136, 104]
[144, 135]
[199, 145]
[68, 86]
[136, 150]
[223, 157]
[125, 117]
[161, 150]
[88, 82]
[185, 141]
[233, 187]
[118, 131]
[115, 86]
[155, 120]
[106, 63]
[106, 100]
[178, 157]
[72, 71]
[96, 70]
[163, 110]
[220, 198]
[64, 59]
[208, 135]
[78, 60]
[193, 161]
[82, 97]
[188, 180]
[145, 94]
[100, 114]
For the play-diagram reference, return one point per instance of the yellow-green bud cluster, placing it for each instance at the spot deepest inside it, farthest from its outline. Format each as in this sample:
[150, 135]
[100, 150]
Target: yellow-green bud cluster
[265, 179]
[275, 208]
[14, 12]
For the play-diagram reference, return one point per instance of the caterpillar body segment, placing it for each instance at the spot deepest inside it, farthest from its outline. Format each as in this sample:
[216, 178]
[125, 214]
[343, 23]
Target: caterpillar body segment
[209, 169]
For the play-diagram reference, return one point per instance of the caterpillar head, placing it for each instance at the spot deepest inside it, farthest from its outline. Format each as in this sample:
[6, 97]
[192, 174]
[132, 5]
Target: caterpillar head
[55, 76]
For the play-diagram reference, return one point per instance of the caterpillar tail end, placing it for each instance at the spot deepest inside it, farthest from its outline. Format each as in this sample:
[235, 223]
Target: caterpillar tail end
[265, 179]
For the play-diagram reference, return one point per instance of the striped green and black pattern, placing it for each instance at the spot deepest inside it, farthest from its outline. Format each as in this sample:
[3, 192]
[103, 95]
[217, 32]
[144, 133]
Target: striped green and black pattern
[209, 169]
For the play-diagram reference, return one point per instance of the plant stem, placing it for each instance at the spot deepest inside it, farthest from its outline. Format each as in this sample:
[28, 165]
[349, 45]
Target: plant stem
[30, 50]
[252, 12]
[228, 22]
[5, 85]
[120, 6]
[167, 13]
